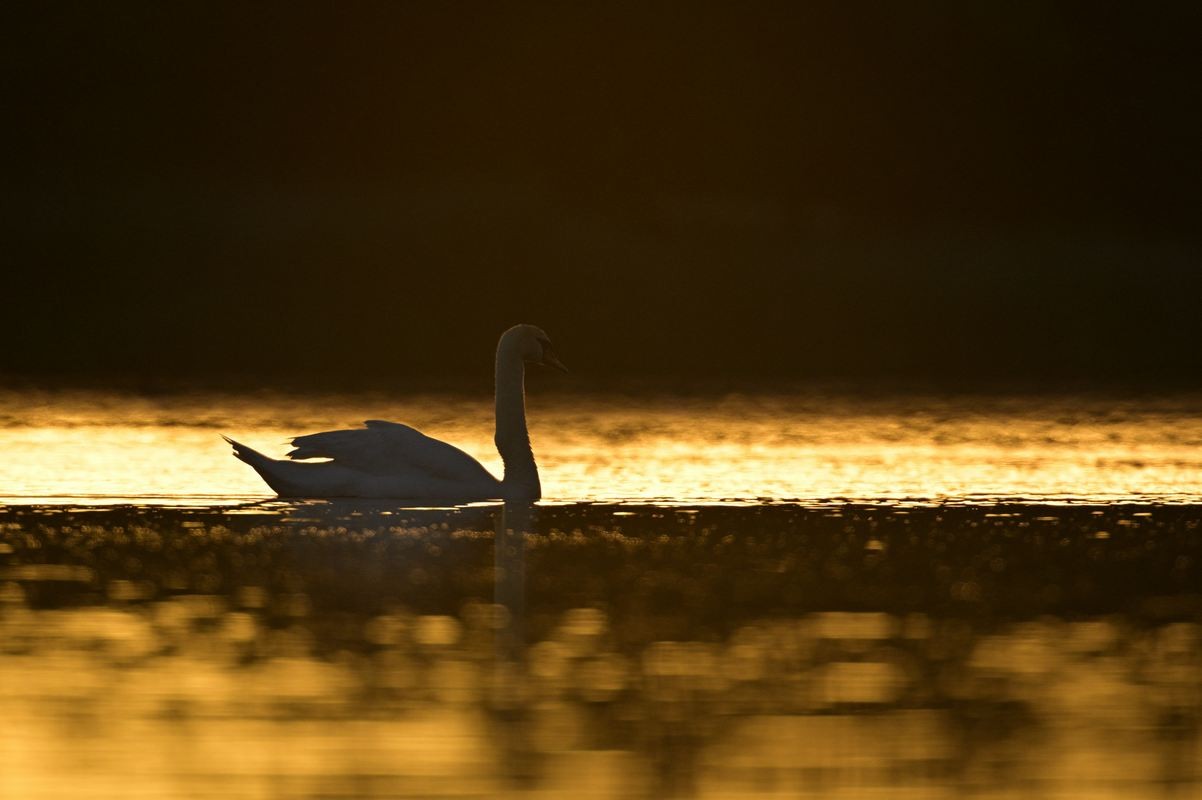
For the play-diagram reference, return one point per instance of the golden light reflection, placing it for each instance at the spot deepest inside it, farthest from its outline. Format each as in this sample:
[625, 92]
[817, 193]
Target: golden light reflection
[64, 446]
[194, 696]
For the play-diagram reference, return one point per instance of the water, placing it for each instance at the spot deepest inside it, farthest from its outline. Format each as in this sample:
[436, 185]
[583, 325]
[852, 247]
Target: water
[736, 597]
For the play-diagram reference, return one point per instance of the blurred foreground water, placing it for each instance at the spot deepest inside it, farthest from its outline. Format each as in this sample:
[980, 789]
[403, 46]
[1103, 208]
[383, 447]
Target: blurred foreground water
[884, 622]
[353, 650]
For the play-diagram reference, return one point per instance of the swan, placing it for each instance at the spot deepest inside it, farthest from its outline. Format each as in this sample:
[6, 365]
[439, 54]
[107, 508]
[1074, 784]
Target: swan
[392, 460]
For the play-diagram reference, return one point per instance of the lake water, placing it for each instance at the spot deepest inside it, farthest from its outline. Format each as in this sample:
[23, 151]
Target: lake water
[760, 596]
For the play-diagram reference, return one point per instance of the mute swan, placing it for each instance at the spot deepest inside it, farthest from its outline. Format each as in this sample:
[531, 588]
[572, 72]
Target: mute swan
[388, 459]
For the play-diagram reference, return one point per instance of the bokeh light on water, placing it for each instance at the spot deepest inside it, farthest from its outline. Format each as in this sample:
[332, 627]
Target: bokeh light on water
[318, 650]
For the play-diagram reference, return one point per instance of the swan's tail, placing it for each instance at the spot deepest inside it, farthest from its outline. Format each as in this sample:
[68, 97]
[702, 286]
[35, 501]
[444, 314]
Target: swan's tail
[268, 468]
[247, 454]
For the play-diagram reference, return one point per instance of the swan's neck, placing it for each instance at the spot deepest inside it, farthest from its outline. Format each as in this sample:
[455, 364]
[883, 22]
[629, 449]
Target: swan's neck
[512, 438]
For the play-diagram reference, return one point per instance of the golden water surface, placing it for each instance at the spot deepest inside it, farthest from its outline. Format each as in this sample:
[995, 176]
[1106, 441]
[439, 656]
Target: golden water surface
[62, 447]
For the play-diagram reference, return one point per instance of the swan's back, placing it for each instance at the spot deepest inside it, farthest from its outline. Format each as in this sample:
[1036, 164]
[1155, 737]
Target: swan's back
[391, 448]
[383, 459]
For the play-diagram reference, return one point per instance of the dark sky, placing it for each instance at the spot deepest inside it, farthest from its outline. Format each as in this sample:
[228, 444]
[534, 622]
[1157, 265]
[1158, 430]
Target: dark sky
[799, 191]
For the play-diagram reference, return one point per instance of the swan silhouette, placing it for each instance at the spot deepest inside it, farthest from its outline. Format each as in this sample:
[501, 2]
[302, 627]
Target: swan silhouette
[388, 459]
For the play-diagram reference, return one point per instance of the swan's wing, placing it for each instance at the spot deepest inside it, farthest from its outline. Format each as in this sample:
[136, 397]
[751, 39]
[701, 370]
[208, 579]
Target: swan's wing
[388, 448]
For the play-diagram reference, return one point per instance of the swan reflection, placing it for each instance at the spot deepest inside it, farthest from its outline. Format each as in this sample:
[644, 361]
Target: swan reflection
[511, 692]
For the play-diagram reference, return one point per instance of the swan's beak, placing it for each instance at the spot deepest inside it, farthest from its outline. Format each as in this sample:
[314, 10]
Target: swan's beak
[552, 360]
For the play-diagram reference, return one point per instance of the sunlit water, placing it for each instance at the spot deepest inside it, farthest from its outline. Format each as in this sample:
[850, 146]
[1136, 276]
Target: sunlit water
[809, 447]
[739, 597]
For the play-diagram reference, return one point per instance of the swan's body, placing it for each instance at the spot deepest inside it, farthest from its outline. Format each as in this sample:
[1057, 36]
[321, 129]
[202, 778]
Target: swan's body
[388, 459]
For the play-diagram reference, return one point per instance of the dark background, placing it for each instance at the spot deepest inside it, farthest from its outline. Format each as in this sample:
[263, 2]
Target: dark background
[359, 193]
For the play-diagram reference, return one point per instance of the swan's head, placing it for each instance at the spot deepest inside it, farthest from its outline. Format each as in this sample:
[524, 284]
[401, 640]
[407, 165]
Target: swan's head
[532, 345]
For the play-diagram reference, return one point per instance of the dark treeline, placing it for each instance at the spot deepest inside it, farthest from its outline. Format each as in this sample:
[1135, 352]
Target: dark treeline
[785, 190]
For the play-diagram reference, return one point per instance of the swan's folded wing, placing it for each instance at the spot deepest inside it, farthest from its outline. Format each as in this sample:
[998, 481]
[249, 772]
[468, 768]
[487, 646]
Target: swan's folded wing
[388, 448]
